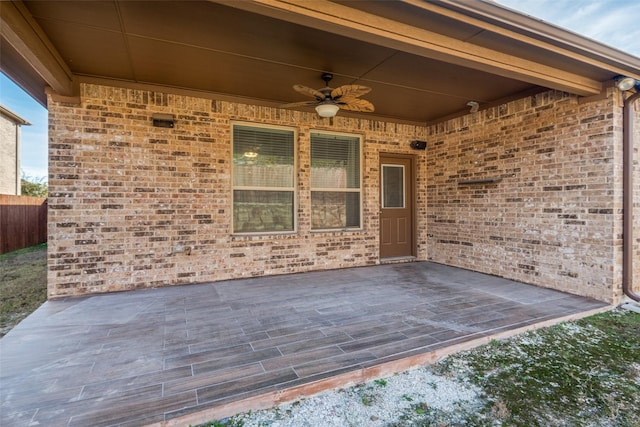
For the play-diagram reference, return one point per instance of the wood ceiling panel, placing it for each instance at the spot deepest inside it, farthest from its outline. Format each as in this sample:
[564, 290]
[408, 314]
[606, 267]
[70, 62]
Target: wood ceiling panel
[101, 14]
[428, 75]
[406, 104]
[189, 67]
[89, 50]
[220, 28]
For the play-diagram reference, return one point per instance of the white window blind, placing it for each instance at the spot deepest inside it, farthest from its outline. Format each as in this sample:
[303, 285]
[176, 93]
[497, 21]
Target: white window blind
[335, 161]
[262, 157]
[335, 181]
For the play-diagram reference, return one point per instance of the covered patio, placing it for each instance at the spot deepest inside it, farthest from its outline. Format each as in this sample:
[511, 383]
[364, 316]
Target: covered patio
[184, 355]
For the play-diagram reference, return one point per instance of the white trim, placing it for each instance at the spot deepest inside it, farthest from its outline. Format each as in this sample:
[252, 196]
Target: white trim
[338, 190]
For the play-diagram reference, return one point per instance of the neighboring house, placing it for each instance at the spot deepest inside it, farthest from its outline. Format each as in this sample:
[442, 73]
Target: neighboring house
[172, 162]
[10, 124]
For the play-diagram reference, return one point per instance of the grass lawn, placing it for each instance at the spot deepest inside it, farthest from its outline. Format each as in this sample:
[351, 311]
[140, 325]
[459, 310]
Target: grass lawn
[23, 284]
[582, 373]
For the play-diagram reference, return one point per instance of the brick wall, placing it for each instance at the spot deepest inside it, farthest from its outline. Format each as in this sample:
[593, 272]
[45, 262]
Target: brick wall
[554, 219]
[135, 206]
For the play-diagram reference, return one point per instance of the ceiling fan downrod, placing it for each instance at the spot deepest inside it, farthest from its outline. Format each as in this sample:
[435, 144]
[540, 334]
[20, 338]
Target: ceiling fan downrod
[327, 77]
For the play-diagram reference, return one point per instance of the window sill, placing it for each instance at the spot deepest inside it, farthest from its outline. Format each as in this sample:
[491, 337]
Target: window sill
[337, 230]
[265, 235]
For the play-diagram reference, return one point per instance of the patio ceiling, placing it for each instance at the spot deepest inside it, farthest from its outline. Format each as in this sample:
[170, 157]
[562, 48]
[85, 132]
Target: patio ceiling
[423, 60]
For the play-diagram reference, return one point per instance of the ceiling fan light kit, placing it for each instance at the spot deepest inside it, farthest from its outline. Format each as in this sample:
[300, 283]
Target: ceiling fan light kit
[328, 101]
[327, 109]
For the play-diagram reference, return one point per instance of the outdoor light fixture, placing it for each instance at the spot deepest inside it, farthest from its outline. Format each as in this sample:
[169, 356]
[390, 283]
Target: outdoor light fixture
[473, 106]
[162, 120]
[327, 109]
[418, 145]
[625, 83]
[250, 154]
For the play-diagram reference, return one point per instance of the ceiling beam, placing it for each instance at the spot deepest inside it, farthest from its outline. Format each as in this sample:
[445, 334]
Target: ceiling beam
[19, 29]
[343, 20]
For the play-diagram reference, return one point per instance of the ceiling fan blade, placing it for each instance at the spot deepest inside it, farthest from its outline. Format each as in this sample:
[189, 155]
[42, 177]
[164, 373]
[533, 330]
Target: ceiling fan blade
[352, 91]
[299, 104]
[309, 92]
[356, 104]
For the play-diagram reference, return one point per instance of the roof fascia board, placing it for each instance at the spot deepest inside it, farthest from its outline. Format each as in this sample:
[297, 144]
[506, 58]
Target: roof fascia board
[13, 116]
[349, 22]
[538, 27]
[21, 75]
[536, 33]
[20, 30]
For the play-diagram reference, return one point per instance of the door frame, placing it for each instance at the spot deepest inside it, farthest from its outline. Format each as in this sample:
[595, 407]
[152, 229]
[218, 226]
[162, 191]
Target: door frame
[411, 190]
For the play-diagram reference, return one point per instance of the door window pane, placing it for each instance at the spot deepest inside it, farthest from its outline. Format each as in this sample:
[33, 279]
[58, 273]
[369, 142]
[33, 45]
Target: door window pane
[393, 186]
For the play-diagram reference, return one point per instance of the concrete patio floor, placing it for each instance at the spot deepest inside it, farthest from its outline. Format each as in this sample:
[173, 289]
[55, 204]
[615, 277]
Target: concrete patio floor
[180, 355]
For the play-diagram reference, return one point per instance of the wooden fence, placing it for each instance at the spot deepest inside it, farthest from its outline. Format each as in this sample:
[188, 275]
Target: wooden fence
[23, 222]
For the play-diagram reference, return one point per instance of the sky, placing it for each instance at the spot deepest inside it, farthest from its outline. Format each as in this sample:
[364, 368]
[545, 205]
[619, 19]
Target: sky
[33, 140]
[613, 22]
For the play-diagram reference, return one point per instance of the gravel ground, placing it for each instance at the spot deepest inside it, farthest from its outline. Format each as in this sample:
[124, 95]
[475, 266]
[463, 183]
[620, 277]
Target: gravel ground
[397, 399]
[582, 373]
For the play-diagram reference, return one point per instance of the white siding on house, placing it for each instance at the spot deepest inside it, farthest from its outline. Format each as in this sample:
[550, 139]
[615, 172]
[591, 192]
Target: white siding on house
[10, 151]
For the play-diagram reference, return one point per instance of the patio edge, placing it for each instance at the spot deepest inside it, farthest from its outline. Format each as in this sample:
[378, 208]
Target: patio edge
[359, 376]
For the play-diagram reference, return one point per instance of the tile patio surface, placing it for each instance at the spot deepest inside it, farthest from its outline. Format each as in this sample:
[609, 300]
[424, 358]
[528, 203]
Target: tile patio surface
[161, 355]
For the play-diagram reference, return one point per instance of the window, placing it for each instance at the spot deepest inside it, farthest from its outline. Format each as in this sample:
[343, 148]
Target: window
[335, 182]
[263, 179]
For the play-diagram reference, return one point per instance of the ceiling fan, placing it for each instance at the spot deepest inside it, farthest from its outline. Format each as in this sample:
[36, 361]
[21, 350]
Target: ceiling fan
[329, 100]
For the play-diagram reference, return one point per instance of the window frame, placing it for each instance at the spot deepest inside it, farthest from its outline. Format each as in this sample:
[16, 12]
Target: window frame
[293, 189]
[359, 190]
